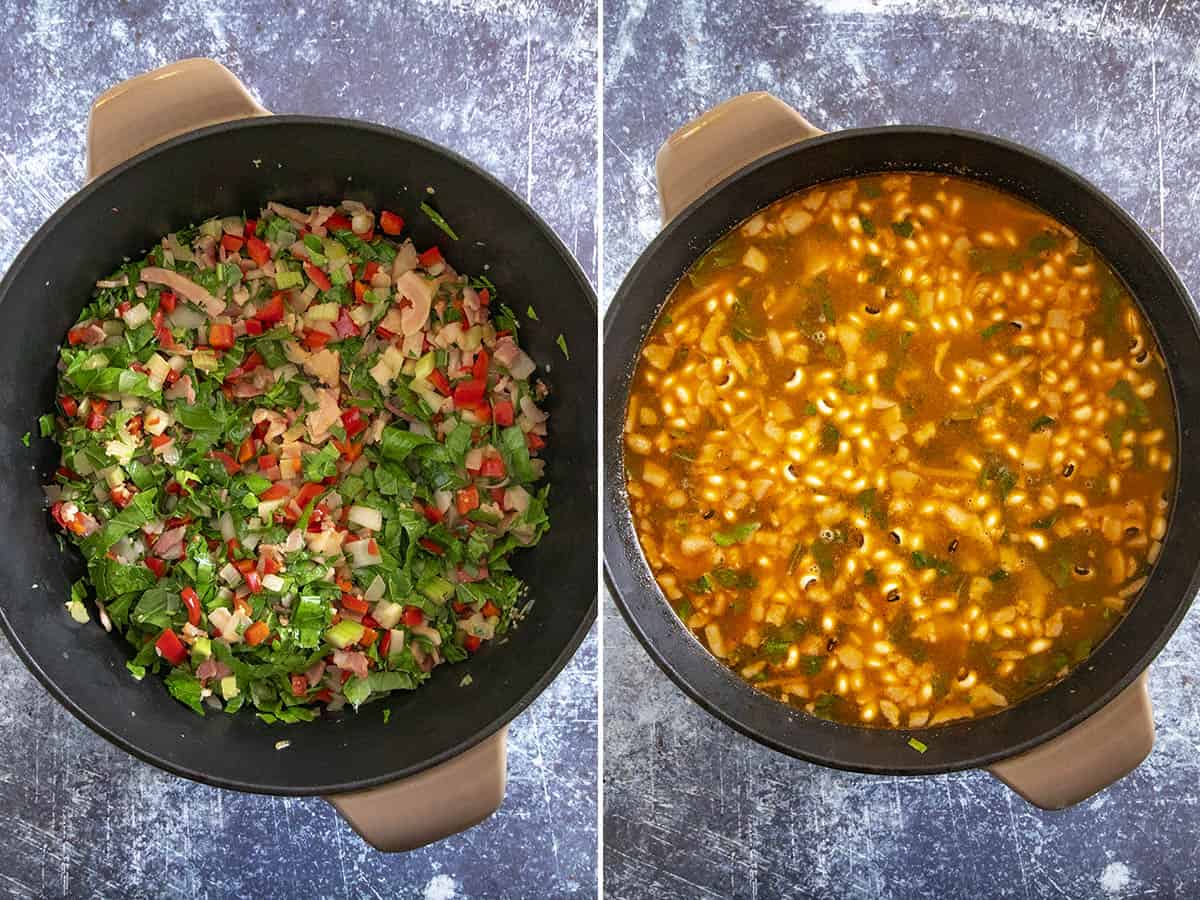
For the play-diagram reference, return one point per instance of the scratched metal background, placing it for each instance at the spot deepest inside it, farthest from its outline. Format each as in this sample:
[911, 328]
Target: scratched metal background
[695, 810]
[511, 85]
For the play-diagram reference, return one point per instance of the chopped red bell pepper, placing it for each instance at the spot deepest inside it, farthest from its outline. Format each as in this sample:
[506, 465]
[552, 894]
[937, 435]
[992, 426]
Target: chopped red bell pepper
[438, 379]
[323, 696]
[251, 227]
[315, 340]
[385, 643]
[259, 251]
[271, 565]
[167, 301]
[252, 361]
[490, 609]
[231, 465]
[121, 495]
[246, 450]
[466, 500]
[317, 277]
[493, 467]
[254, 327]
[338, 222]
[272, 310]
[192, 601]
[253, 581]
[170, 648]
[96, 418]
[256, 634]
[155, 565]
[160, 440]
[370, 270]
[430, 512]
[413, 615]
[267, 461]
[469, 393]
[349, 450]
[353, 421]
[69, 405]
[220, 335]
[360, 291]
[432, 546]
[299, 685]
[534, 441]
[485, 296]
[479, 371]
[390, 222]
[355, 604]
[430, 257]
[472, 643]
[232, 242]
[502, 412]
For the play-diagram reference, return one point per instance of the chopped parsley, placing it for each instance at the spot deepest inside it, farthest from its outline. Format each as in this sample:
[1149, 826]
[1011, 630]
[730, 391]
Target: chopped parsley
[1041, 423]
[735, 535]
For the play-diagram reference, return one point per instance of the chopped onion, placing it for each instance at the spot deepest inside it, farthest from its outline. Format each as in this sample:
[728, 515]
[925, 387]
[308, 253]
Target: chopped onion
[516, 498]
[136, 316]
[228, 530]
[375, 590]
[274, 583]
[366, 517]
[361, 555]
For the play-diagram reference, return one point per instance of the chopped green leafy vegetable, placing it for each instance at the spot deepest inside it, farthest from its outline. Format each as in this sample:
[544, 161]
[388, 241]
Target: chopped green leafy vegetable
[436, 218]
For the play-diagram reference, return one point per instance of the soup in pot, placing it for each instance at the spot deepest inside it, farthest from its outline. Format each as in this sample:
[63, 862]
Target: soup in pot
[899, 450]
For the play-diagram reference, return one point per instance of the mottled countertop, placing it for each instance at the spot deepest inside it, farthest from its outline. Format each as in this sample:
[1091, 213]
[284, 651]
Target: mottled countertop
[694, 809]
[510, 85]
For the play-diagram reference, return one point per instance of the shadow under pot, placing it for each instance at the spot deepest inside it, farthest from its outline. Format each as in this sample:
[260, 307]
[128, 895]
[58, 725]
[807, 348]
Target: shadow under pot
[181, 145]
[1083, 729]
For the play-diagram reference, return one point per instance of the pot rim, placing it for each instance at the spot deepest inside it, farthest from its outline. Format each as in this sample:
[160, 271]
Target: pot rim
[646, 610]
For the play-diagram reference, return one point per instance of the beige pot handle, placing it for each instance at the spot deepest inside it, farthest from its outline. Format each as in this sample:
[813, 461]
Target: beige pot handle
[433, 804]
[146, 110]
[729, 136]
[1091, 756]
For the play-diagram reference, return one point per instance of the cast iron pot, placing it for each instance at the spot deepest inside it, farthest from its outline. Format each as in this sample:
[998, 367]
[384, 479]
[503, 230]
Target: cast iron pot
[452, 736]
[1056, 747]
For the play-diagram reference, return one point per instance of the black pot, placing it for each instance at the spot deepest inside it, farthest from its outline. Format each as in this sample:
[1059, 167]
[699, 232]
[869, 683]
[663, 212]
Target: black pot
[1107, 746]
[230, 168]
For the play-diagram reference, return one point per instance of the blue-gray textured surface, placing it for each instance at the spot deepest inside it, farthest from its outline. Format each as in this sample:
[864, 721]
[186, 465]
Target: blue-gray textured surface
[510, 85]
[695, 810]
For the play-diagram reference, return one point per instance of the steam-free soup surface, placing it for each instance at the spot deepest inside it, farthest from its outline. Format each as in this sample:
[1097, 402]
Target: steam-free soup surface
[898, 450]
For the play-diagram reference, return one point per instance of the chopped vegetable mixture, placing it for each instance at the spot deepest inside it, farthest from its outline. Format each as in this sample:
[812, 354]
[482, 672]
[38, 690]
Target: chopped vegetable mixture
[296, 456]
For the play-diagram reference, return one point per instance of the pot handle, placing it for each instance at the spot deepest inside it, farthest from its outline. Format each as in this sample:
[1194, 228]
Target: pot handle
[150, 108]
[719, 142]
[1093, 755]
[431, 805]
